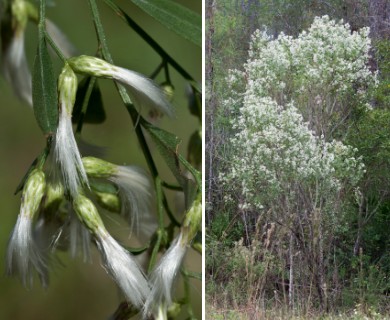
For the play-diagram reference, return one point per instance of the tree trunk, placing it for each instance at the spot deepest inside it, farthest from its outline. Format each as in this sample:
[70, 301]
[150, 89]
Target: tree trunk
[211, 102]
[291, 273]
[379, 18]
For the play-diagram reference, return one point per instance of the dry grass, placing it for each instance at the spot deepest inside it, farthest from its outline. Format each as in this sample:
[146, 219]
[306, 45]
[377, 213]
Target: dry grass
[253, 313]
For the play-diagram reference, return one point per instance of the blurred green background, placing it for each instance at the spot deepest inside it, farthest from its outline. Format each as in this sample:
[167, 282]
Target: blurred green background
[80, 290]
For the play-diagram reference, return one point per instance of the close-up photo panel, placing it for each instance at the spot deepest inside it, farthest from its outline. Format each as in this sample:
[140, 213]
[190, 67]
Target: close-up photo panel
[297, 159]
[101, 159]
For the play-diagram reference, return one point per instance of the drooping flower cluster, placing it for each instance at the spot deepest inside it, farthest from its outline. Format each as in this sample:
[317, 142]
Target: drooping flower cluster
[56, 211]
[80, 221]
[165, 273]
[48, 220]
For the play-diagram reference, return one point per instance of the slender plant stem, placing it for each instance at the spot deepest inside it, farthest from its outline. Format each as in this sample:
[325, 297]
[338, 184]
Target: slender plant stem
[193, 275]
[171, 186]
[124, 16]
[187, 292]
[41, 160]
[197, 175]
[166, 69]
[42, 16]
[157, 71]
[160, 232]
[122, 91]
[55, 47]
[170, 213]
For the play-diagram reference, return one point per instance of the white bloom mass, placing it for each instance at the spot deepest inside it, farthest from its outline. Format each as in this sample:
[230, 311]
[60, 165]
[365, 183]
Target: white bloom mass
[286, 107]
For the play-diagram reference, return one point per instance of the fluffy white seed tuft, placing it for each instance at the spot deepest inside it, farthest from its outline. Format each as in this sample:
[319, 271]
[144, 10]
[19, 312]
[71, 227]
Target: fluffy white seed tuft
[143, 91]
[15, 68]
[134, 191]
[122, 267]
[67, 154]
[80, 239]
[23, 254]
[163, 277]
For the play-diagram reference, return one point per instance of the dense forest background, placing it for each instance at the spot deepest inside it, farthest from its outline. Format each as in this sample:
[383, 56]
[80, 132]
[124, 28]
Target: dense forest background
[296, 254]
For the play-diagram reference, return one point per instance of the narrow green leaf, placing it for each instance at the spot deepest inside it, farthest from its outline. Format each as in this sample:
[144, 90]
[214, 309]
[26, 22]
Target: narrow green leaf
[167, 144]
[194, 95]
[194, 151]
[94, 112]
[44, 86]
[175, 17]
[137, 251]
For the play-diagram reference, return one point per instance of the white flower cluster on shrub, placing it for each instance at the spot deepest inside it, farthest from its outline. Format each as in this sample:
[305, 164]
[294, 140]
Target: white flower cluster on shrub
[324, 70]
[328, 54]
[290, 97]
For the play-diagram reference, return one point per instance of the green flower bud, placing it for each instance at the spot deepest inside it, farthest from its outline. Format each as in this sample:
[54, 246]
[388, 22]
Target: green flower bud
[88, 214]
[192, 221]
[143, 91]
[133, 190]
[67, 88]
[97, 168]
[108, 201]
[174, 310]
[91, 66]
[24, 254]
[106, 195]
[33, 192]
[53, 198]
[32, 11]
[19, 14]
[169, 90]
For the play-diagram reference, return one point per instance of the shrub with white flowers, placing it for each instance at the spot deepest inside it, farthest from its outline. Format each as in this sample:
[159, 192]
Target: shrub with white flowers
[287, 104]
[290, 107]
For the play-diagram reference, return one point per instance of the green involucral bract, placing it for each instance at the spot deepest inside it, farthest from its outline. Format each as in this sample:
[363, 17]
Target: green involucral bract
[19, 10]
[192, 221]
[91, 66]
[97, 168]
[67, 88]
[108, 201]
[88, 214]
[33, 192]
